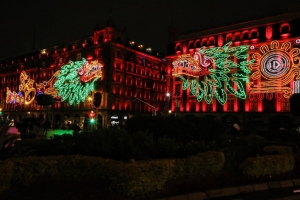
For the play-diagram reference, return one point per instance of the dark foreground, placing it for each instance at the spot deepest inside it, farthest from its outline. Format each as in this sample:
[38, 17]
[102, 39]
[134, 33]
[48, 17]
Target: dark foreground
[78, 189]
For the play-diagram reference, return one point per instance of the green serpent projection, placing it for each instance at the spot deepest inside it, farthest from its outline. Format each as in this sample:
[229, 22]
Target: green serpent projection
[227, 75]
[76, 80]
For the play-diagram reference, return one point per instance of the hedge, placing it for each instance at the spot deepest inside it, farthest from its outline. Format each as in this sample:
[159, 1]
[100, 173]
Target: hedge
[278, 149]
[127, 178]
[268, 165]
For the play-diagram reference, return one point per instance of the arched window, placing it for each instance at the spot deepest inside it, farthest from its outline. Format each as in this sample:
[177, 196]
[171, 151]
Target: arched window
[191, 44]
[178, 47]
[211, 41]
[254, 34]
[229, 37]
[237, 36]
[197, 44]
[285, 28]
[245, 35]
[204, 42]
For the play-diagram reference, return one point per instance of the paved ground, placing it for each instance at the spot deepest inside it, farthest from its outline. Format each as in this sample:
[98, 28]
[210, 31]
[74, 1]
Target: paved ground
[277, 190]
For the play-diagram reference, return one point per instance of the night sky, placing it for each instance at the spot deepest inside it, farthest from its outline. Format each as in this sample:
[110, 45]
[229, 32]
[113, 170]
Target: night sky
[57, 22]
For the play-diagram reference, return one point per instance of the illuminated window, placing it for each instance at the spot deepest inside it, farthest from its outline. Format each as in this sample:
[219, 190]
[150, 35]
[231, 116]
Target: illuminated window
[118, 66]
[285, 105]
[230, 105]
[253, 106]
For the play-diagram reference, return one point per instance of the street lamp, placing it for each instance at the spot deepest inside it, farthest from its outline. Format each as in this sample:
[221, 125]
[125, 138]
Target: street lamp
[135, 98]
[169, 95]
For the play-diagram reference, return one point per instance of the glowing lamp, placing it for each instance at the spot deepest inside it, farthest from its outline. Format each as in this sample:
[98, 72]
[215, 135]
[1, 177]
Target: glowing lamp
[92, 114]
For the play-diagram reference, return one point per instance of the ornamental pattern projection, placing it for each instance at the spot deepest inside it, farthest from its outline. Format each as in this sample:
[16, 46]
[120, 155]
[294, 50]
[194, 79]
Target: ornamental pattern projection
[224, 70]
[72, 83]
[274, 68]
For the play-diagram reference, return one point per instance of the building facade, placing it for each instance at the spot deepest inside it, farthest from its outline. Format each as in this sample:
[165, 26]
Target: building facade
[243, 70]
[101, 73]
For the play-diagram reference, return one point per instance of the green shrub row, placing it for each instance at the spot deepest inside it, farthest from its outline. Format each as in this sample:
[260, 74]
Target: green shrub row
[268, 165]
[127, 178]
[278, 149]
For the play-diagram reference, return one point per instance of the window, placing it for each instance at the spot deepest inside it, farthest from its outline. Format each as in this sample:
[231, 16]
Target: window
[230, 105]
[118, 66]
[285, 105]
[118, 78]
[177, 89]
[148, 84]
[253, 106]
[118, 54]
[129, 80]
[117, 91]
[192, 106]
[209, 107]
[139, 82]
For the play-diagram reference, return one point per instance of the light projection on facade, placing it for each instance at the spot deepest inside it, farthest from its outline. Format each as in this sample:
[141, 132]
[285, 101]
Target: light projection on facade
[72, 83]
[274, 68]
[26, 92]
[76, 80]
[220, 70]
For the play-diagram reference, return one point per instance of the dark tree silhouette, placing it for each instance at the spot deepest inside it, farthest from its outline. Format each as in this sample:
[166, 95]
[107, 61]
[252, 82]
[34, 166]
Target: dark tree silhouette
[46, 101]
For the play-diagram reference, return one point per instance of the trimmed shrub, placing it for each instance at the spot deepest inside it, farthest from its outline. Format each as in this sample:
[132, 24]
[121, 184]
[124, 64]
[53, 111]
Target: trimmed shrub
[268, 165]
[278, 149]
[127, 178]
[200, 165]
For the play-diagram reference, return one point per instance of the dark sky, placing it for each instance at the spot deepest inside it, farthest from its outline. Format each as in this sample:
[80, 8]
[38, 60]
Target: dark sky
[59, 22]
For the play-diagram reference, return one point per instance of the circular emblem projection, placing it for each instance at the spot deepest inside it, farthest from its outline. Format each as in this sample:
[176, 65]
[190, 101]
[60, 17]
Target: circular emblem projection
[275, 64]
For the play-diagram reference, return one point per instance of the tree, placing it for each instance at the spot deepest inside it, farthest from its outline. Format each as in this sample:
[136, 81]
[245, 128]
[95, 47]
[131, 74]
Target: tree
[45, 100]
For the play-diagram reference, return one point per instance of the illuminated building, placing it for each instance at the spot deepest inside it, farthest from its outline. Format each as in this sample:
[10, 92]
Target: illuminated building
[101, 73]
[250, 68]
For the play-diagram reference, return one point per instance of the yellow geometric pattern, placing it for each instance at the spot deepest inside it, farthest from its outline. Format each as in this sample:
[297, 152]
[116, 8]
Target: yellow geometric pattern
[275, 67]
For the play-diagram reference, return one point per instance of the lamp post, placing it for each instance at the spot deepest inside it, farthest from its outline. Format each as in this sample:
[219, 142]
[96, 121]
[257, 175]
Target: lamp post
[169, 95]
[135, 98]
